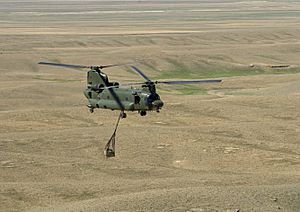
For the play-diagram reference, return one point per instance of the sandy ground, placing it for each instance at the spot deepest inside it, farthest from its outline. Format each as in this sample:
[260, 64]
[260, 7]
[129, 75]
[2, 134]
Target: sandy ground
[234, 147]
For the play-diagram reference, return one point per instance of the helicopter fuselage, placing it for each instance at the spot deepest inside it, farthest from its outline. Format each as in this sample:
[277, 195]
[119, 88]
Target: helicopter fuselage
[129, 99]
[132, 99]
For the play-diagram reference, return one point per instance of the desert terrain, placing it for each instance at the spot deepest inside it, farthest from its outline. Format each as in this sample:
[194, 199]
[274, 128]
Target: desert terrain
[232, 146]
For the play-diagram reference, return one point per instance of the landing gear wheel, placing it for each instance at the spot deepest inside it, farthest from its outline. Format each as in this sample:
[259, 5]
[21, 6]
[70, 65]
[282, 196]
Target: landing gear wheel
[123, 115]
[143, 113]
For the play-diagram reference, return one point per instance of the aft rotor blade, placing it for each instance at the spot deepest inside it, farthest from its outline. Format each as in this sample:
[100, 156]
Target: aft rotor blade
[113, 93]
[138, 71]
[78, 66]
[182, 82]
[64, 65]
[116, 97]
[112, 65]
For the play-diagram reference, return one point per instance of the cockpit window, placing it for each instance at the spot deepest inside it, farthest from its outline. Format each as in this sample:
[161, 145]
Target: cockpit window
[151, 98]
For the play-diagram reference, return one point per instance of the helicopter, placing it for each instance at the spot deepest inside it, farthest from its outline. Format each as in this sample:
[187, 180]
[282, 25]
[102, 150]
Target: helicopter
[101, 93]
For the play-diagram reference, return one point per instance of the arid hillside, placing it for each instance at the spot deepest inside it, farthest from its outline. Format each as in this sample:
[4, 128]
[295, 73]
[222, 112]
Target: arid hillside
[232, 146]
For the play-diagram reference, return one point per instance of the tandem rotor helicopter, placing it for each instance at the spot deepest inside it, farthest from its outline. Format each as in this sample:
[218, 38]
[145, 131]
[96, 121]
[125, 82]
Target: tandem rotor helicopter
[101, 93]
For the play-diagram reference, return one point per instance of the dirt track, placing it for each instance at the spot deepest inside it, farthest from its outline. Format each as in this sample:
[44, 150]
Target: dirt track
[233, 146]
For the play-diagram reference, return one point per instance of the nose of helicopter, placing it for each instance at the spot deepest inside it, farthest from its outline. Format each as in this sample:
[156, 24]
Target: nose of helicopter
[158, 103]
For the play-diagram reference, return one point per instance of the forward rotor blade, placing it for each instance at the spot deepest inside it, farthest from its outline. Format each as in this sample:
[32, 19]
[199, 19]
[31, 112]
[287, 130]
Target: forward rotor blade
[134, 83]
[64, 65]
[138, 71]
[125, 85]
[182, 82]
[179, 82]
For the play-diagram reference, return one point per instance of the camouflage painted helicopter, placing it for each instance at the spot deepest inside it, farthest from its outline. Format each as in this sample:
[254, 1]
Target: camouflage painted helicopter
[101, 93]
